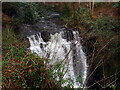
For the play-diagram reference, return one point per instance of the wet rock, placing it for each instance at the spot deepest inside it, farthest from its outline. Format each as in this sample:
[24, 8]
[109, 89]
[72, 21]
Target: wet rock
[88, 45]
[45, 35]
[68, 35]
[26, 30]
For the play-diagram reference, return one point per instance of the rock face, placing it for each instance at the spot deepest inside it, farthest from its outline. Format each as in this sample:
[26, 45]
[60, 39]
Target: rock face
[59, 45]
[42, 25]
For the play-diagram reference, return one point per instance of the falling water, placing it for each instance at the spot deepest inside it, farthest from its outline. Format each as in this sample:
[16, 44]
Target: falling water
[64, 47]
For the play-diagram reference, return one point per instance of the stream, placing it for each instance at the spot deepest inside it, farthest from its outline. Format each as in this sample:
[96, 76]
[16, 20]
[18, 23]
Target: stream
[60, 46]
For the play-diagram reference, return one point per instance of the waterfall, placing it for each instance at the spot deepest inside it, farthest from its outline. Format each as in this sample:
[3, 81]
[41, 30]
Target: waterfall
[62, 48]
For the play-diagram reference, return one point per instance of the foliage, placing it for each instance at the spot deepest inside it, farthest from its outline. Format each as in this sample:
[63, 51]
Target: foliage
[25, 70]
[106, 49]
[66, 12]
[98, 4]
[80, 16]
[106, 31]
[103, 25]
[83, 14]
[58, 72]
[27, 12]
[22, 69]
[9, 38]
[116, 4]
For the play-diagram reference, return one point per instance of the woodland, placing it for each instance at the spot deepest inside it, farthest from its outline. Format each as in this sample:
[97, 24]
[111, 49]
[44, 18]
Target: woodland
[99, 27]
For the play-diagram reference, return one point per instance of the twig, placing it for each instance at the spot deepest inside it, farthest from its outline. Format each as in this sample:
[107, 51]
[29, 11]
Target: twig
[105, 46]
[103, 79]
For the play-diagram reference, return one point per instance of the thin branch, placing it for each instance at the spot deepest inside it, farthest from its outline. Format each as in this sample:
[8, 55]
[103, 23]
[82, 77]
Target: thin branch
[103, 79]
[105, 45]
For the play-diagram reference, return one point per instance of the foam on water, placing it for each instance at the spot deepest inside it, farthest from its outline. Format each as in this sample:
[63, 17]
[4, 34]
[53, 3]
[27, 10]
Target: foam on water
[59, 49]
[61, 46]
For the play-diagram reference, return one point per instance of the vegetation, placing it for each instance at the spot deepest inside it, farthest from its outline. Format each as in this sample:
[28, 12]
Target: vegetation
[25, 70]
[25, 12]
[104, 31]
[100, 31]
[22, 69]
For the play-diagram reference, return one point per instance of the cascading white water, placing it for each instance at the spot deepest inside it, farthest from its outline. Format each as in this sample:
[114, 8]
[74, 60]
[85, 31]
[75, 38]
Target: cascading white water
[68, 52]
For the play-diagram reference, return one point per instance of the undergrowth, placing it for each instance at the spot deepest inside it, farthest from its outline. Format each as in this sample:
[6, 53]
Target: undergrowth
[22, 69]
[101, 36]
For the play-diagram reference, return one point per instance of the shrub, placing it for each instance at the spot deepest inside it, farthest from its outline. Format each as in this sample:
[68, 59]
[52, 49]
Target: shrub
[22, 69]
